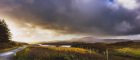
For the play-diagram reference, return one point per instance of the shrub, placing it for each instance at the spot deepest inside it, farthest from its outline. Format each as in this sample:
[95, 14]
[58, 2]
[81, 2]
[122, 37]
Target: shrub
[13, 43]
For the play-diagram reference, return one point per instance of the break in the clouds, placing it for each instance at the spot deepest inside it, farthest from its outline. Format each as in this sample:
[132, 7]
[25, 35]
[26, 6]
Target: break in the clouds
[76, 17]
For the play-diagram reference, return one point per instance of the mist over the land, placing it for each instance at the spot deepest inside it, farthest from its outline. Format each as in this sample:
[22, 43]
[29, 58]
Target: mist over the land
[84, 40]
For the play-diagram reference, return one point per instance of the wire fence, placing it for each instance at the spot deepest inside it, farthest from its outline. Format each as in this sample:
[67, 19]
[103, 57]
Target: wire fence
[101, 51]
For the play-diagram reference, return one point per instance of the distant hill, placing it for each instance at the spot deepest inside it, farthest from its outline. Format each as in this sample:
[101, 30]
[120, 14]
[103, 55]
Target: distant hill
[87, 40]
[23, 43]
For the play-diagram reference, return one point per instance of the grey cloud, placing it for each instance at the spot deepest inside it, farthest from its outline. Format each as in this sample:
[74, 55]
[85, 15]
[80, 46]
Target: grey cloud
[81, 17]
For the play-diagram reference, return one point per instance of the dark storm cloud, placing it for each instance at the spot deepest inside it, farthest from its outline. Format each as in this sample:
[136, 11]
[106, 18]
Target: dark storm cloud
[81, 17]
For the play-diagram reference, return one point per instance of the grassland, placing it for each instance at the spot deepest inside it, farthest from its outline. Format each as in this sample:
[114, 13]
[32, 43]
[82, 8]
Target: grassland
[57, 53]
[9, 46]
[7, 49]
[83, 51]
[117, 51]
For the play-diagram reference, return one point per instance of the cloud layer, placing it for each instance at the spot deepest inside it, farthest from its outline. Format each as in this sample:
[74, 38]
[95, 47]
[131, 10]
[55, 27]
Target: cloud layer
[77, 17]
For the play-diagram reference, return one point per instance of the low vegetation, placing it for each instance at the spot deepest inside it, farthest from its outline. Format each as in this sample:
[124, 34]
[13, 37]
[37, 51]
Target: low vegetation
[130, 52]
[57, 53]
[117, 51]
[22, 55]
[7, 49]
[96, 51]
[9, 46]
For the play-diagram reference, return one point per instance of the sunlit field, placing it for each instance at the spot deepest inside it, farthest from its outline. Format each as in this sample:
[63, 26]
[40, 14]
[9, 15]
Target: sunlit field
[131, 52]
[126, 49]
[117, 51]
[95, 51]
[57, 53]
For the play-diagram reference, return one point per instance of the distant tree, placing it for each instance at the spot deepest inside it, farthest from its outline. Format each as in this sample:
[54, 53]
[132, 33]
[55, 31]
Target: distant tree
[5, 34]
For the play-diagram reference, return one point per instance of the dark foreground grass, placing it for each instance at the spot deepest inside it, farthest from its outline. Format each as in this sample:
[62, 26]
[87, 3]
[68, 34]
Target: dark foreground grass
[41, 53]
[22, 55]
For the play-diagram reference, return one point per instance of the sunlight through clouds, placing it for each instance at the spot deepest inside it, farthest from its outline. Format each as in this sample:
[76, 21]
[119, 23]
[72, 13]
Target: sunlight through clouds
[130, 4]
[37, 20]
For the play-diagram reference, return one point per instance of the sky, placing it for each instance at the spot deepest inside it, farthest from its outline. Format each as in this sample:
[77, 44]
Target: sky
[50, 20]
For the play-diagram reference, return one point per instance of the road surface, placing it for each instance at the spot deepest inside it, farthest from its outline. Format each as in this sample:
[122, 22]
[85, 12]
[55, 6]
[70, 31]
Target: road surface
[9, 54]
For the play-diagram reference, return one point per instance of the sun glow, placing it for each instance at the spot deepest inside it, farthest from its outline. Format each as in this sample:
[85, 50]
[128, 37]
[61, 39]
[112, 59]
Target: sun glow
[30, 35]
[47, 33]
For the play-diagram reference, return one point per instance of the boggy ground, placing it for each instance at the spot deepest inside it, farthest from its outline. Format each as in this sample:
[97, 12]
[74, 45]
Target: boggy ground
[116, 51]
[56, 53]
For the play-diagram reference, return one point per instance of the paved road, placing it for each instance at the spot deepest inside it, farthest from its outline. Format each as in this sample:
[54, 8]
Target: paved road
[9, 54]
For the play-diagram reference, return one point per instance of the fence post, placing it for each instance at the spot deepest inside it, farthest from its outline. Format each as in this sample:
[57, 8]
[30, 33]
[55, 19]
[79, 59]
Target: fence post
[90, 51]
[107, 53]
[104, 53]
[93, 49]
[75, 49]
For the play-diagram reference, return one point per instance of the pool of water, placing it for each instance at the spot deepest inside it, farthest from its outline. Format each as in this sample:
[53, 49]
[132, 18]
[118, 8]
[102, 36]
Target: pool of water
[55, 45]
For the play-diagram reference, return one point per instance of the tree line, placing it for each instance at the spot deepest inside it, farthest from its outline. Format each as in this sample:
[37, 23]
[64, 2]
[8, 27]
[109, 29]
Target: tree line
[5, 34]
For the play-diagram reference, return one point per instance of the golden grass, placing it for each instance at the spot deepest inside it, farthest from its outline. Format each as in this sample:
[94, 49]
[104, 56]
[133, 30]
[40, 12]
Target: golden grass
[133, 52]
[80, 50]
[70, 49]
[57, 53]
[22, 55]
[7, 49]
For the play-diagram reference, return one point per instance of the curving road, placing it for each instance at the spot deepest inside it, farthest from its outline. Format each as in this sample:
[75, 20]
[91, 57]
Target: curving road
[9, 54]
